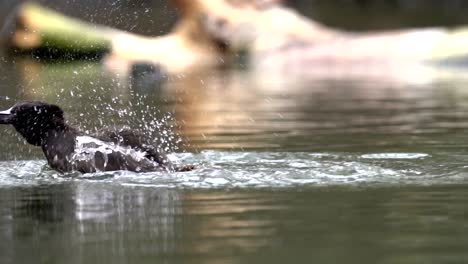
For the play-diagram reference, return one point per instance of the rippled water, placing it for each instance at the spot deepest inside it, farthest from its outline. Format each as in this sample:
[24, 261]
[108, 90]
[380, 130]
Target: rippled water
[88, 221]
[220, 169]
[288, 170]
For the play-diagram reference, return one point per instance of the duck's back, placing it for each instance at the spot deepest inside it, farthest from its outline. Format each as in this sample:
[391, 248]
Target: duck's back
[136, 140]
[93, 155]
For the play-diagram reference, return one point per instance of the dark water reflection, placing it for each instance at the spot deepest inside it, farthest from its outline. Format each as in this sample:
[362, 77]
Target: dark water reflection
[357, 170]
[87, 222]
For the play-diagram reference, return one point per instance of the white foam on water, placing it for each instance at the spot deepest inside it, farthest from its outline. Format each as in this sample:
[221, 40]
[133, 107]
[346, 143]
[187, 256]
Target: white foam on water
[395, 156]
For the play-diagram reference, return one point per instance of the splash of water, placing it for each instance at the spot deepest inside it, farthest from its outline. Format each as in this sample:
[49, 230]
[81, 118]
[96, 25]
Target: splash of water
[218, 169]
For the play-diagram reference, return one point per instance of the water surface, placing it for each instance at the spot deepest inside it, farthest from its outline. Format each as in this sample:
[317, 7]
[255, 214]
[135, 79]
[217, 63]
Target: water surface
[357, 170]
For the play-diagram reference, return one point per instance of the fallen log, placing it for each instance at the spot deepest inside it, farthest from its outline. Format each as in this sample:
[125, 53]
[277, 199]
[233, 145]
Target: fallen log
[44, 30]
[279, 31]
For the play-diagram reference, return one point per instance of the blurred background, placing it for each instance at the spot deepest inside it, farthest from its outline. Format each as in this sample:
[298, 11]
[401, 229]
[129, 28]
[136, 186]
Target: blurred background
[155, 17]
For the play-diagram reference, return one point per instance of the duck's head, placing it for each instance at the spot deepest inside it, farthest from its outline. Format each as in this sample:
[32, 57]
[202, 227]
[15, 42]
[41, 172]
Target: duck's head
[34, 120]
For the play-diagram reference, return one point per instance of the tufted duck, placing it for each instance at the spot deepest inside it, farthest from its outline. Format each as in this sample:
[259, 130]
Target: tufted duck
[67, 149]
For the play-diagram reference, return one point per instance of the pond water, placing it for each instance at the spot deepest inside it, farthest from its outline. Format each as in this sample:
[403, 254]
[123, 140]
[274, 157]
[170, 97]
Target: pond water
[327, 170]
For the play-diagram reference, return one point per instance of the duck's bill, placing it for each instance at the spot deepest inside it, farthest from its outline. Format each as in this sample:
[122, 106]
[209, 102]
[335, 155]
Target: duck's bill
[6, 117]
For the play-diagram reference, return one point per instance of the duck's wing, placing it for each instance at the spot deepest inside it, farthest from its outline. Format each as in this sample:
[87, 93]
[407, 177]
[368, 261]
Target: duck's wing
[138, 141]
